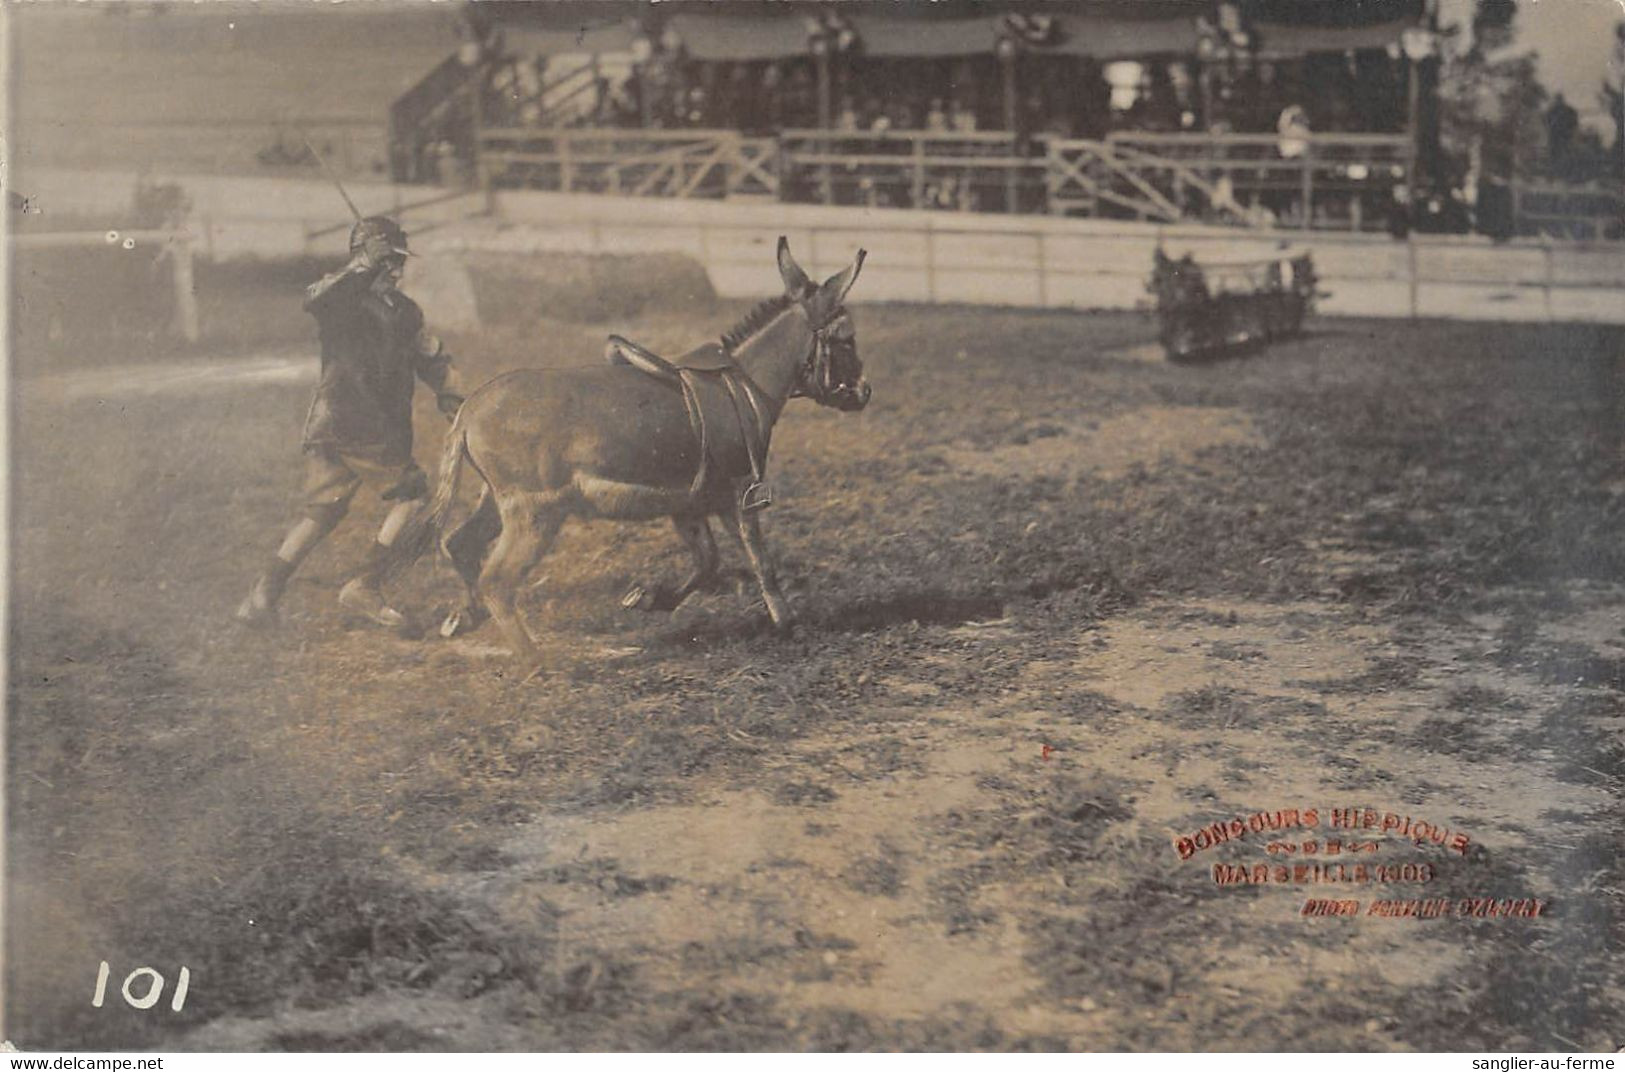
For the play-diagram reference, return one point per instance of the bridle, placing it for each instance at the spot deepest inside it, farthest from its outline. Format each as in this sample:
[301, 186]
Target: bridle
[817, 377]
[756, 412]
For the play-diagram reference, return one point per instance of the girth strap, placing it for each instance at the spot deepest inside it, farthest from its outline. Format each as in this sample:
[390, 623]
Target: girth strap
[750, 411]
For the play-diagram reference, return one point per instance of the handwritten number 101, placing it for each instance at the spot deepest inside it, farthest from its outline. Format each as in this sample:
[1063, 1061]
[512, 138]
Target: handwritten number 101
[155, 988]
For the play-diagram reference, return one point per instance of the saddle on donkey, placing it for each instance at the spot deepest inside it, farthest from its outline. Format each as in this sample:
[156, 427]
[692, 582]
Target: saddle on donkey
[711, 363]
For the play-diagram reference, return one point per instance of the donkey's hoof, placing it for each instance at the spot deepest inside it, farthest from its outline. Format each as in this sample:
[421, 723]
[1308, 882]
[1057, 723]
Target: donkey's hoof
[642, 597]
[364, 600]
[462, 621]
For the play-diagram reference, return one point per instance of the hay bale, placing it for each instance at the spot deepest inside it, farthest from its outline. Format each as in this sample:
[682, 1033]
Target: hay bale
[520, 289]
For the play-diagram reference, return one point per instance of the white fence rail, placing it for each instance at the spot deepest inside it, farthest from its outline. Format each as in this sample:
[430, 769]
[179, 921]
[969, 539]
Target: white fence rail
[914, 256]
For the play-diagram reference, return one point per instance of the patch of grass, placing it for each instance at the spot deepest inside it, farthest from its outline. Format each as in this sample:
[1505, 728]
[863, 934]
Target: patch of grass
[1476, 699]
[1462, 737]
[345, 933]
[1566, 956]
[735, 1021]
[804, 794]
[1235, 653]
[878, 874]
[1387, 673]
[1214, 707]
[1581, 731]
[380, 1038]
[606, 875]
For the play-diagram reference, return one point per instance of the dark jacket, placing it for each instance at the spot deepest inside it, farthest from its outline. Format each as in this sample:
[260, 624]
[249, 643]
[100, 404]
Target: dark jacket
[373, 346]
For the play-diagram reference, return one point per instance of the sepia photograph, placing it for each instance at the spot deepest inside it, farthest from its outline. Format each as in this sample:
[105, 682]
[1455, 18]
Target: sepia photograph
[822, 527]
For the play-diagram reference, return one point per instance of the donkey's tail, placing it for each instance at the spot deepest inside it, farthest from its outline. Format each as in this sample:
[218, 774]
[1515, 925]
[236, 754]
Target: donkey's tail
[423, 530]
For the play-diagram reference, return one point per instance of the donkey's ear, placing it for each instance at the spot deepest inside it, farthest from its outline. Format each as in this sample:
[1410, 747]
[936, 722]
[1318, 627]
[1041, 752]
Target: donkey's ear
[833, 292]
[796, 283]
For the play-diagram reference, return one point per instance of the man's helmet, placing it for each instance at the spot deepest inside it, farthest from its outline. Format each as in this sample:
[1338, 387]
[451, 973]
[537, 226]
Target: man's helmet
[378, 230]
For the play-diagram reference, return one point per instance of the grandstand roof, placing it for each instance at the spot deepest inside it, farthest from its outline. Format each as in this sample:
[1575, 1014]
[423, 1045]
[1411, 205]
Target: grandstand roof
[1103, 29]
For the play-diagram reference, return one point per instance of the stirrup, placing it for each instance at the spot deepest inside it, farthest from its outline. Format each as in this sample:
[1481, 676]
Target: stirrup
[758, 496]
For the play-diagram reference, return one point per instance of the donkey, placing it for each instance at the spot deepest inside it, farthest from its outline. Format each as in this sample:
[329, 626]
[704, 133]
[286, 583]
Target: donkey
[636, 439]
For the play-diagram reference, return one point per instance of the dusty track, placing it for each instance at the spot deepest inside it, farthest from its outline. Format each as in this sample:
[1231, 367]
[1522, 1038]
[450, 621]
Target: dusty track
[1061, 608]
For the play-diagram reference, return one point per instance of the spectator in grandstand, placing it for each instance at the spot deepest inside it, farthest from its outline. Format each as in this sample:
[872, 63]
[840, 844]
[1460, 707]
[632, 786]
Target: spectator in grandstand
[1091, 109]
[1293, 127]
[1336, 112]
[1221, 116]
[1057, 123]
[612, 107]
[1160, 111]
[1184, 91]
[1399, 211]
[847, 117]
[478, 38]
[499, 104]
[800, 98]
[936, 119]
[1562, 123]
[901, 114]
[1035, 114]
[961, 117]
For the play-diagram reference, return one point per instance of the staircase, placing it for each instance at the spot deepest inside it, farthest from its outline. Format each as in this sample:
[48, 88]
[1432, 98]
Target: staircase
[437, 112]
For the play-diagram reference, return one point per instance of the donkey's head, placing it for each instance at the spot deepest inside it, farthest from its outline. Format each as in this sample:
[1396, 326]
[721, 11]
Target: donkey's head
[833, 374]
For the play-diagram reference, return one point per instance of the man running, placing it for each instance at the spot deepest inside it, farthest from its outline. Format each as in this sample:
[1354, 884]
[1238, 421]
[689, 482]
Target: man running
[373, 345]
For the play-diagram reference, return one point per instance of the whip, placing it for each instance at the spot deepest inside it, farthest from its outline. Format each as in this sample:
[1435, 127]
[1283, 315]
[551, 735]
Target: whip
[328, 171]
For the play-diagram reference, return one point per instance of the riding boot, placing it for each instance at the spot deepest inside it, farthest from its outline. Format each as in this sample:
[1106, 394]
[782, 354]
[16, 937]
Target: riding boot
[259, 606]
[362, 593]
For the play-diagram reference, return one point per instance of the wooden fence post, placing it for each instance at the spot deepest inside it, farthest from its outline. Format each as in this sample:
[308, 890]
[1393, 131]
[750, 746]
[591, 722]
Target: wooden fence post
[919, 173]
[1042, 261]
[930, 262]
[1308, 183]
[1410, 247]
[1546, 247]
[180, 259]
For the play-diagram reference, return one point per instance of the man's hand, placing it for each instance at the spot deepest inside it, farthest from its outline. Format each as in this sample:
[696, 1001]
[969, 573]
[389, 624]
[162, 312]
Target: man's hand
[378, 249]
[449, 404]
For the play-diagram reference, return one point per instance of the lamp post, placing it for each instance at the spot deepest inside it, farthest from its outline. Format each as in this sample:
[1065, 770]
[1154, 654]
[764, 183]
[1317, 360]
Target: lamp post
[643, 51]
[1418, 44]
[1205, 52]
[1619, 131]
[820, 51]
[1008, 50]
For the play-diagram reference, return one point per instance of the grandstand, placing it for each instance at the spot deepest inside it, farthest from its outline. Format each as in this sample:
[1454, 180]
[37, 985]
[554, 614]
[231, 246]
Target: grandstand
[1293, 113]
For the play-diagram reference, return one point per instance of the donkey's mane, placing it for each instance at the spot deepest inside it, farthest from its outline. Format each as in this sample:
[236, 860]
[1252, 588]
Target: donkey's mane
[752, 322]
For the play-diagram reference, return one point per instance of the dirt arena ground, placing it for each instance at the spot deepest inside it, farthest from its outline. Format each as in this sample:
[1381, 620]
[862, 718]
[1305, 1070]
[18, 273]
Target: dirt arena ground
[1063, 605]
